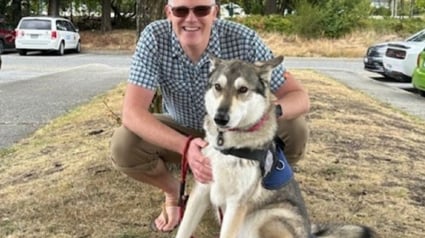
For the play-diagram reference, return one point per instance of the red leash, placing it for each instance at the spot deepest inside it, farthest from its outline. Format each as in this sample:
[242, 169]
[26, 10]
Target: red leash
[184, 169]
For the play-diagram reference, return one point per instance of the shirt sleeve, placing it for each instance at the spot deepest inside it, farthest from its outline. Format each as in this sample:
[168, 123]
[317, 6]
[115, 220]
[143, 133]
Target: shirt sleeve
[144, 69]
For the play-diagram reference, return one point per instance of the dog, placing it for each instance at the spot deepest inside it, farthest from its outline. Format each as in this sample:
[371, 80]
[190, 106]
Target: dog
[240, 128]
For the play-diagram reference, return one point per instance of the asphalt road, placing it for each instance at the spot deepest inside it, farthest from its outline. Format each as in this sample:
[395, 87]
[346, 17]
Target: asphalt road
[37, 88]
[351, 73]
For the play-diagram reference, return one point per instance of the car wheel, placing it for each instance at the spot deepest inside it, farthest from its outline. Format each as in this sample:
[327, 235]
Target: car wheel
[78, 48]
[1, 47]
[61, 50]
[22, 52]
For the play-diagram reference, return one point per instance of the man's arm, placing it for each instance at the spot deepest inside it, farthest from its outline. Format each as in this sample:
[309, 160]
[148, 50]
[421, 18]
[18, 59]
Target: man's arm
[292, 97]
[138, 119]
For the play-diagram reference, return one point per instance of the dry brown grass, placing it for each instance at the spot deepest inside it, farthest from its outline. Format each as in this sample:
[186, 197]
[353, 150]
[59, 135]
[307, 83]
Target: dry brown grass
[353, 45]
[123, 40]
[365, 164]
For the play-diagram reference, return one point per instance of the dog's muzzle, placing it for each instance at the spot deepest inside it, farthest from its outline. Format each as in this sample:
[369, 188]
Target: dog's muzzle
[221, 118]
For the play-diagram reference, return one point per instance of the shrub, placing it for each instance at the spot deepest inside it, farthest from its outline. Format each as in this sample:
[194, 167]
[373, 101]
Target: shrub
[308, 20]
[270, 23]
[331, 19]
[277, 23]
[403, 27]
[322, 20]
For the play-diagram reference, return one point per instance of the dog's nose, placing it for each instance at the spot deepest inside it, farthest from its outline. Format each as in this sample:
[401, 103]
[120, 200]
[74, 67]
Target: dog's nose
[221, 118]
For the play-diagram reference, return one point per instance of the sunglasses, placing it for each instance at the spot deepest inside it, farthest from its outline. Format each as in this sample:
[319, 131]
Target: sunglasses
[199, 11]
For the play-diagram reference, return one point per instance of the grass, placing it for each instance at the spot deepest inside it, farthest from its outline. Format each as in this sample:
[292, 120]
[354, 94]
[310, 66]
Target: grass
[352, 45]
[365, 164]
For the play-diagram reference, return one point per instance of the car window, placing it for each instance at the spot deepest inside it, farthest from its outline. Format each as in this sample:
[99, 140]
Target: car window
[70, 27]
[61, 25]
[35, 24]
[418, 38]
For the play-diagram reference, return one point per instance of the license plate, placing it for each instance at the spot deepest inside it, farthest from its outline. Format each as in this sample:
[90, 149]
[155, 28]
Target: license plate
[34, 36]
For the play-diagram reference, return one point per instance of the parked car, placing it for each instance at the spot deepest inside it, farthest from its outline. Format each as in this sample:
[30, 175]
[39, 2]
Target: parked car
[374, 54]
[373, 59]
[400, 58]
[418, 79]
[7, 36]
[231, 10]
[46, 34]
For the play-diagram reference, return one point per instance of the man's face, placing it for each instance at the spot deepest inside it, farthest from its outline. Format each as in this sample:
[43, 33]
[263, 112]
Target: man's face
[192, 20]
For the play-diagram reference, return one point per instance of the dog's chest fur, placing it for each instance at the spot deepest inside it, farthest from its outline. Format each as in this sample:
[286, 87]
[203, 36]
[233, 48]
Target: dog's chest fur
[235, 179]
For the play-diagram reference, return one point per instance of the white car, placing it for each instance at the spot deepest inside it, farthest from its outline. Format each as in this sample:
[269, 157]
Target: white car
[46, 34]
[400, 58]
[375, 53]
[231, 10]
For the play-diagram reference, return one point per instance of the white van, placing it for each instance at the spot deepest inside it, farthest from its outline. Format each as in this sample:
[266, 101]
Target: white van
[46, 34]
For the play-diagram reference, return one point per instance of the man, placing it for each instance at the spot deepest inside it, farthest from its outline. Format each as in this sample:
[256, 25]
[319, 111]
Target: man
[172, 55]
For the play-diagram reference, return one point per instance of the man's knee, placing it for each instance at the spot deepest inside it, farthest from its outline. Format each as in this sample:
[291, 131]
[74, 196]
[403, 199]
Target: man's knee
[294, 134]
[130, 153]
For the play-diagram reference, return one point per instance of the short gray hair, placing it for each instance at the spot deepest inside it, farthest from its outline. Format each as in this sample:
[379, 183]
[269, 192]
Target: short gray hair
[171, 1]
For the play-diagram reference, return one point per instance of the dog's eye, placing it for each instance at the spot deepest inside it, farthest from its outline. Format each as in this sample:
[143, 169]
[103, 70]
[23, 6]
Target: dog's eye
[242, 90]
[217, 87]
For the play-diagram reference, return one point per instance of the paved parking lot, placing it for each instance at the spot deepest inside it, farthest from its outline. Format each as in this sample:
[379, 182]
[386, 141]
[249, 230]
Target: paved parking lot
[351, 73]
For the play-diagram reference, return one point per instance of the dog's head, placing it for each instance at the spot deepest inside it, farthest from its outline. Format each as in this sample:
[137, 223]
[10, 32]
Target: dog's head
[238, 93]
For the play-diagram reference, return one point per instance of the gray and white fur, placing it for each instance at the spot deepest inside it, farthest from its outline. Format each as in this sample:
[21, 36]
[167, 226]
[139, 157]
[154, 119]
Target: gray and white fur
[239, 97]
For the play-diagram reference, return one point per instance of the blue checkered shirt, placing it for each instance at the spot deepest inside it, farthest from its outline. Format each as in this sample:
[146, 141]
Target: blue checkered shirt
[159, 62]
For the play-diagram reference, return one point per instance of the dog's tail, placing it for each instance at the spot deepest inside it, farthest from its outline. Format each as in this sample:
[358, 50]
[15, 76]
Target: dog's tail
[339, 231]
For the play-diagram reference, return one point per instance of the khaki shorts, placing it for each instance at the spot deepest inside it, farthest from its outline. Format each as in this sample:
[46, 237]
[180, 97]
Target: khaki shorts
[131, 154]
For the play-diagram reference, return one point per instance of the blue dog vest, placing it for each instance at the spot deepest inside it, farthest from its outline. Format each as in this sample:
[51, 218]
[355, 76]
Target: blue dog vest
[280, 173]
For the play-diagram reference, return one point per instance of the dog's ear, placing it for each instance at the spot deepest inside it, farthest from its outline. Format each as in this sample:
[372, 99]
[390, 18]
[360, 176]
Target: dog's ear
[265, 67]
[214, 62]
[270, 64]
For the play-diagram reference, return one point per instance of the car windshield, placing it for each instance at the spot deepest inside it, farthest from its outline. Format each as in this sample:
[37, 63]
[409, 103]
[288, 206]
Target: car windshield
[418, 37]
[36, 24]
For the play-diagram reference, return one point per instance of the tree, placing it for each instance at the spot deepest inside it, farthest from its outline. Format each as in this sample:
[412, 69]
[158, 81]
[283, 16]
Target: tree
[148, 11]
[270, 7]
[106, 16]
[15, 12]
[53, 7]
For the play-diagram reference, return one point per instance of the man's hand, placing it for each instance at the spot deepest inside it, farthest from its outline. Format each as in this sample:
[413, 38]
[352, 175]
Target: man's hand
[199, 164]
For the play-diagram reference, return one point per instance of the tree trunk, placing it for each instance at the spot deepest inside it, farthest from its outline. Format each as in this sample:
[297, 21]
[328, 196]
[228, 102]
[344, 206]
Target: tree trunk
[270, 7]
[148, 11]
[106, 16]
[412, 8]
[53, 9]
[16, 12]
[141, 12]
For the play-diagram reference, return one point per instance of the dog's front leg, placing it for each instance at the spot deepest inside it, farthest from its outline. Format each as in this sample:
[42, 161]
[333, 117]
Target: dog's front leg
[233, 218]
[196, 206]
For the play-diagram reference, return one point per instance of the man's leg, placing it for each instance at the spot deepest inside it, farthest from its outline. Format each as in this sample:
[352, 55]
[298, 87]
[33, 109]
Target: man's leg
[294, 134]
[146, 163]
